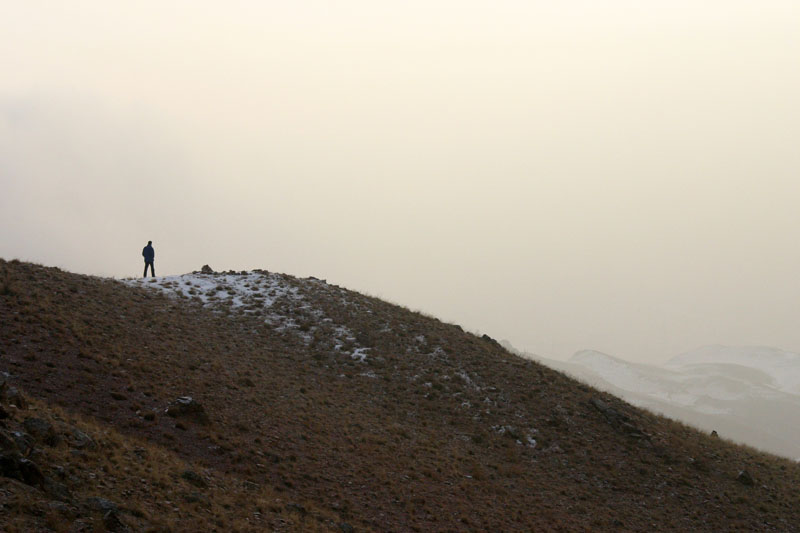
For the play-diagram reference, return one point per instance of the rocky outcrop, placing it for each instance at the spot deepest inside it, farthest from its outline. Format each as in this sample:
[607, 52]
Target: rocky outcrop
[745, 478]
[619, 420]
[11, 396]
[81, 441]
[14, 466]
[194, 478]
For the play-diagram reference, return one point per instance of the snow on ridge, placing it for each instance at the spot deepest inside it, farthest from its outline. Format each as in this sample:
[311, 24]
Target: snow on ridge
[754, 356]
[267, 295]
[251, 291]
[623, 374]
[782, 366]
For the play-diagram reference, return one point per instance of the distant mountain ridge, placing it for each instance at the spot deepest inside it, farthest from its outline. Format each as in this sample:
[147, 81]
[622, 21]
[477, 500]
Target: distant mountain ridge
[782, 366]
[749, 394]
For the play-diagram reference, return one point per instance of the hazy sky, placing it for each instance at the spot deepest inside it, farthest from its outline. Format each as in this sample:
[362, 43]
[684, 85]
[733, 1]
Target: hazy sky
[616, 175]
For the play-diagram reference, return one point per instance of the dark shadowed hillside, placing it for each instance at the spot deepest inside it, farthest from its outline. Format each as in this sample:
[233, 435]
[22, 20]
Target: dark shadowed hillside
[317, 408]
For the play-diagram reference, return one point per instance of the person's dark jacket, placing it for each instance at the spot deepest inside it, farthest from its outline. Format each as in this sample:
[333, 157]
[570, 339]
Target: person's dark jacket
[148, 253]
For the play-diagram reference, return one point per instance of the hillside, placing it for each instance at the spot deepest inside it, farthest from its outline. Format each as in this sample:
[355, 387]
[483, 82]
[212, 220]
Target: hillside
[317, 408]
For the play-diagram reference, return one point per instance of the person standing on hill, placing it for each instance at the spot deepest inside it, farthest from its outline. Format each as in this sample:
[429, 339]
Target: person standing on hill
[149, 255]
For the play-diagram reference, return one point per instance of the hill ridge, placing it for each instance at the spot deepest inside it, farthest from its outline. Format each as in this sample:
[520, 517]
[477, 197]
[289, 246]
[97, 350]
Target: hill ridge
[434, 429]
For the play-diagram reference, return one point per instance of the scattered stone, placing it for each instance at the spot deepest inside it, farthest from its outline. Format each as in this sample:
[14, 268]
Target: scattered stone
[508, 431]
[297, 508]
[346, 528]
[554, 448]
[206, 270]
[8, 443]
[57, 490]
[42, 431]
[745, 478]
[37, 427]
[62, 508]
[24, 442]
[79, 454]
[619, 420]
[101, 504]
[112, 522]
[195, 497]
[698, 465]
[554, 421]
[118, 396]
[714, 433]
[487, 338]
[82, 525]
[187, 407]
[194, 478]
[15, 398]
[3, 413]
[81, 440]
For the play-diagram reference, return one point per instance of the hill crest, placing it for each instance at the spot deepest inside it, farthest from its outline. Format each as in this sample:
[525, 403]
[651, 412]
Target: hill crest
[434, 429]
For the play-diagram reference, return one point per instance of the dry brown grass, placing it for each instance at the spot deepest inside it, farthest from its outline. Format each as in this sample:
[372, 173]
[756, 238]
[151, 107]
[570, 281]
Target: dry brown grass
[147, 481]
[409, 440]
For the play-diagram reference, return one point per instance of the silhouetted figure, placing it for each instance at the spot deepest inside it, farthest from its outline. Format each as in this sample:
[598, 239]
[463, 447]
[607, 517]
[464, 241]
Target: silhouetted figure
[149, 254]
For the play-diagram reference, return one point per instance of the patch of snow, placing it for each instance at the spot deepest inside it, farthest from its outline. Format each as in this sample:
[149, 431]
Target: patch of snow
[269, 296]
[360, 354]
[438, 352]
[463, 375]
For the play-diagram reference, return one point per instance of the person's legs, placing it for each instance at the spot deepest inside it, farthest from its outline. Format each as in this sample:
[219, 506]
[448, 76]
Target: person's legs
[145, 270]
[152, 269]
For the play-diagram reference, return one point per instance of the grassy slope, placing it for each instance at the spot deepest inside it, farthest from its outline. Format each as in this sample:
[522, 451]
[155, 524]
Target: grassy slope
[423, 436]
[151, 487]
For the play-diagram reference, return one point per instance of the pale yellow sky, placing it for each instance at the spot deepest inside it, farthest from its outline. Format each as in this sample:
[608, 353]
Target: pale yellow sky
[618, 176]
